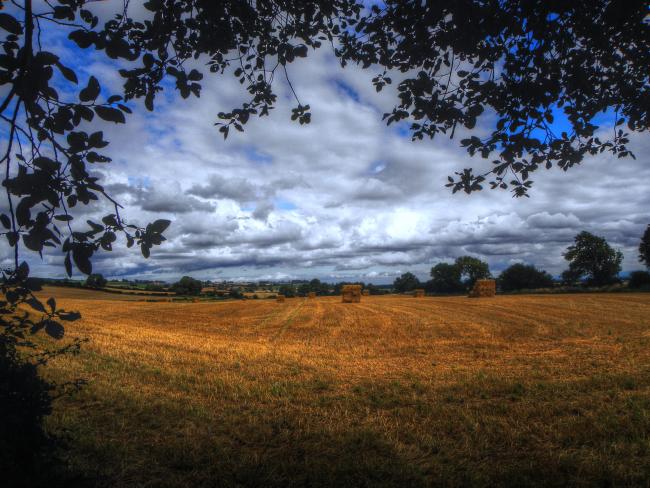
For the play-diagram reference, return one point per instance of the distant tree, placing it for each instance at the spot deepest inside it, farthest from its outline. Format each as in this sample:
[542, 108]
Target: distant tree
[318, 287]
[235, 292]
[375, 290]
[406, 282]
[96, 280]
[303, 289]
[639, 279]
[287, 290]
[472, 269]
[591, 258]
[521, 276]
[187, 286]
[644, 248]
[154, 287]
[569, 277]
[445, 278]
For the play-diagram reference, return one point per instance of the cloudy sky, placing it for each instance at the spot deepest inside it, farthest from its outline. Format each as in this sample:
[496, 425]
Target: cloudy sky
[345, 197]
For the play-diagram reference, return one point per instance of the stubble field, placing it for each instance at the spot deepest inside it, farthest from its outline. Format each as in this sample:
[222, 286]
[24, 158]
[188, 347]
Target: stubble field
[395, 391]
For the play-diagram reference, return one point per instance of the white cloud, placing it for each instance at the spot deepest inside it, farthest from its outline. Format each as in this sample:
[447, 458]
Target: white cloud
[345, 196]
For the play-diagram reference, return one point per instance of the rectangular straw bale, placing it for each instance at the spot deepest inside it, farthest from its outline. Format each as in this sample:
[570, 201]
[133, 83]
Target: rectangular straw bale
[311, 294]
[418, 292]
[365, 293]
[351, 293]
[483, 288]
[279, 298]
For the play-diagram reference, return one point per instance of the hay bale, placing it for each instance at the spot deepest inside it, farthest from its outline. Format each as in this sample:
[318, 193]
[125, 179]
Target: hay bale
[483, 288]
[279, 298]
[311, 294]
[366, 293]
[418, 293]
[351, 293]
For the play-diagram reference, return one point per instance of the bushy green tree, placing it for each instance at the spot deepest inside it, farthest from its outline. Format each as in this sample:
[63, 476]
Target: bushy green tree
[521, 276]
[406, 282]
[592, 259]
[472, 269]
[639, 279]
[288, 291]
[187, 286]
[96, 280]
[236, 292]
[458, 276]
[445, 278]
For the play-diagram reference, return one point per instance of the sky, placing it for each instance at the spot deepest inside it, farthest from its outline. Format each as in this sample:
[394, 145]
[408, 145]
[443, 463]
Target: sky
[343, 198]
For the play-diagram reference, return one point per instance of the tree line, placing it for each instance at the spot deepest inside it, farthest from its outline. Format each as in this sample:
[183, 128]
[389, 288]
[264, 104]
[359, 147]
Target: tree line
[592, 262]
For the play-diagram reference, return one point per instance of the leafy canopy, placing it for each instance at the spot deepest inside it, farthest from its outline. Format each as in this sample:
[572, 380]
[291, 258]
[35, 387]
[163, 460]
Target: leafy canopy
[406, 282]
[187, 286]
[445, 278]
[458, 276]
[524, 277]
[591, 258]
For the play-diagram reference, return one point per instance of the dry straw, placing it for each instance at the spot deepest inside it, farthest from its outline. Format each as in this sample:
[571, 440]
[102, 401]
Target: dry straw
[483, 288]
[418, 293]
[351, 293]
[311, 294]
[365, 293]
[279, 298]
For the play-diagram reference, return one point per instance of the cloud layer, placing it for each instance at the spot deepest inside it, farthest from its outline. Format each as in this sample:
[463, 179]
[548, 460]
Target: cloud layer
[343, 198]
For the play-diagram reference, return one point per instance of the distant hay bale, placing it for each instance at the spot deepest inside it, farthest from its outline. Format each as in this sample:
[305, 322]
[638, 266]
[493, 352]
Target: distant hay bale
[418, 293]
[483, 288]
[195, 300]
[365, 293]
[311, 294]
[279, 298]
[351, 293]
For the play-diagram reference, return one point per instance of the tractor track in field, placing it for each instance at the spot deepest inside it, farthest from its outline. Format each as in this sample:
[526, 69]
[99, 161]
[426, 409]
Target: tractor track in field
[287, 322]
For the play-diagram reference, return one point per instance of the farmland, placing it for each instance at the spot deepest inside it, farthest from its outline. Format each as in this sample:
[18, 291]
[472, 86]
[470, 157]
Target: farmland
[393, 391]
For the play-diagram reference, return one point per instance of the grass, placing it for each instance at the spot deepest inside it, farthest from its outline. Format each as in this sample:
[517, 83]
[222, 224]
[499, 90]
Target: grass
[538, 390]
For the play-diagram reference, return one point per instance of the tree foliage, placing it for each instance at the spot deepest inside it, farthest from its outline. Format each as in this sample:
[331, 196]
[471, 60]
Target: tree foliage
[639, 279]
[445, 278]
[406, 282]
[524, 277]
[539, 73]
[592, 259]
[187, 286]
[472, 269]
[458, 276]
[96, 280]
[288, 291]
[644, 248]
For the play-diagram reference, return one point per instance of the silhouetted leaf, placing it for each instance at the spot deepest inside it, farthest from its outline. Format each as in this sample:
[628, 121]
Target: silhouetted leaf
[8, 23]
[36, 305]
[54, 329]
[160, 225]
[91, 92]
[110, 114]
[67, 73]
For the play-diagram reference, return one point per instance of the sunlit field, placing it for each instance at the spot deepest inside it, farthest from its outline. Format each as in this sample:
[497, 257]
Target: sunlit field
[393, 391]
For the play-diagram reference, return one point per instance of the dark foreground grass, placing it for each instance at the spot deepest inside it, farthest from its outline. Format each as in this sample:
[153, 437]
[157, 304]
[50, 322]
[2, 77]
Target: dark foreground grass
[434, 392]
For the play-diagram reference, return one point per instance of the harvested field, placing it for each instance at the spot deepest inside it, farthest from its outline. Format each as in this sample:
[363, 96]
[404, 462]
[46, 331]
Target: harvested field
[512, 391]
